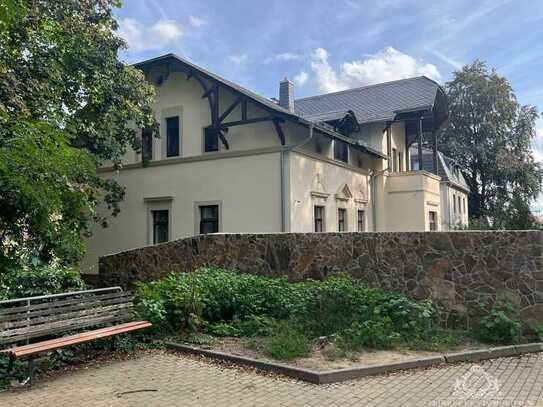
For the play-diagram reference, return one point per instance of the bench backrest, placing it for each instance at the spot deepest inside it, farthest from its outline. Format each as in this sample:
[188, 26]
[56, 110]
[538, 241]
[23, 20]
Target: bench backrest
[24, 319]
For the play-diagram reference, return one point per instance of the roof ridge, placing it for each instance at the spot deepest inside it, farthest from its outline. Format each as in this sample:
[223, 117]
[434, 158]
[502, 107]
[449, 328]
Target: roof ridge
[365, 87]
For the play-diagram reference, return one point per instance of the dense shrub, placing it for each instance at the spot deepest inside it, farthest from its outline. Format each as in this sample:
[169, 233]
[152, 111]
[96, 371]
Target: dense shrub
[39, 280]
[501, 325]
[211, 298]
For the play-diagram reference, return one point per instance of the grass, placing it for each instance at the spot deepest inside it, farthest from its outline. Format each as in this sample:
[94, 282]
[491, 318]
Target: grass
[287, 343]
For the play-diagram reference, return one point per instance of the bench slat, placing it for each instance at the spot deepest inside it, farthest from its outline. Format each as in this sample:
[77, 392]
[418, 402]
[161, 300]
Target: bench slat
[75, 339]
[58, 303]
[68, 325]
[58, 323]
[55, 340]
[57, 316]
[66, 308]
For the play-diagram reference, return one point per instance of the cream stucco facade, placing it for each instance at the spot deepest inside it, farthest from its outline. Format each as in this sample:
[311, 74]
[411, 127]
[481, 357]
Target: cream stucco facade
[258, 182]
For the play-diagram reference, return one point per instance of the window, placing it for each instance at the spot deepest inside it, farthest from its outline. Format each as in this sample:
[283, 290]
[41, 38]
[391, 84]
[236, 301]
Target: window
[459, 207]
[319, 218]
[454, 203]
[341, 151]
[361, 221]
[464, 204]
[160, 226]
[400, 161]
[211, 139]
[146, 144]
[209, 219]
[172, 136]
[394, 163]
[341, 220]
[432, 217]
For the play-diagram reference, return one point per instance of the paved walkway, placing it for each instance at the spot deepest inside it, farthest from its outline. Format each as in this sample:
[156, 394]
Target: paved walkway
[162, 379]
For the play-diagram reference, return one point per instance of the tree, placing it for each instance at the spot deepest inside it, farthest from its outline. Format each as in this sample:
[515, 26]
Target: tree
[489, 134]
[67, 105]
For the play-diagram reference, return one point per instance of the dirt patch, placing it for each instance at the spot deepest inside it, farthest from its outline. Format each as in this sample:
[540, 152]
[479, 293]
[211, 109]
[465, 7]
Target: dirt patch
[322, 357]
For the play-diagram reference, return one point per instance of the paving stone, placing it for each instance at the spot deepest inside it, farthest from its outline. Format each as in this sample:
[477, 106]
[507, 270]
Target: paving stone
[163, 379]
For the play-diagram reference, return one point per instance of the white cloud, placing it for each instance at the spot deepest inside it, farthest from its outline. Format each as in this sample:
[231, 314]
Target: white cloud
[196, 21]
[238, 59]
[301, 79]
[327, 79]
[140, 37]
[386, 65]
[288, 56]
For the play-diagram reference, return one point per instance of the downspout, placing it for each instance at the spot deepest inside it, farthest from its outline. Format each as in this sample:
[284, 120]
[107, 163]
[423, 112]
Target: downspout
[285, 150]
[373, 176]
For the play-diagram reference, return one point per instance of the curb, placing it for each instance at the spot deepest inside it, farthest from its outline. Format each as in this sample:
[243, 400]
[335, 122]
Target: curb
[341, 375]
[307, 375]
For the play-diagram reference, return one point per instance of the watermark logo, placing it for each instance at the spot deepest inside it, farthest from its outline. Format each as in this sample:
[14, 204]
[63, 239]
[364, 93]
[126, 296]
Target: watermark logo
[475, 384]
[478, 388]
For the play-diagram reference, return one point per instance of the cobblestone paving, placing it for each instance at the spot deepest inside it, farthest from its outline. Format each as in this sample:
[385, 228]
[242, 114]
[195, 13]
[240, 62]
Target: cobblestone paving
[162, 379]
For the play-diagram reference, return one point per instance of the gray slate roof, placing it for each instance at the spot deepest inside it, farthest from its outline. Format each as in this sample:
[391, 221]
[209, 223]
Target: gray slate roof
[445, 168]
[374, 103]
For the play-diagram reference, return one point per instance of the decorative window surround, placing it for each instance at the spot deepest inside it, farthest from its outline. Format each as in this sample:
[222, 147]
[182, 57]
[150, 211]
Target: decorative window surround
[322, 195]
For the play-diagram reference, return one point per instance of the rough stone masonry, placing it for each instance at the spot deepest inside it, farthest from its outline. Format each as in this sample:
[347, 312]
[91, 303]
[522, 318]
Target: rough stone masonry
[462, 272]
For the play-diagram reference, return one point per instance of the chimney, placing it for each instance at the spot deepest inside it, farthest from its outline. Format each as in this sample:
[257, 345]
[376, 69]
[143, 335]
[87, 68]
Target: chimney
[286, 94]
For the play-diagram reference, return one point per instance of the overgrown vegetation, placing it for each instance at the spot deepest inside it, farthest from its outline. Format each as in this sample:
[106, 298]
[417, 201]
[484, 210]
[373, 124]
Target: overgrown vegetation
[291, 316]
[501, 325]
[287, 319]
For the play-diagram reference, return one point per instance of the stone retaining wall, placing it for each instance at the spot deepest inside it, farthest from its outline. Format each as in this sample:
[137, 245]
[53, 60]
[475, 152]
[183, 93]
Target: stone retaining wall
[460, 271]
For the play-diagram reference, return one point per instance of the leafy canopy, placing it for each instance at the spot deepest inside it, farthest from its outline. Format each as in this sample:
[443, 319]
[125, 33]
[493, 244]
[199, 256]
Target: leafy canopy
[489, 135]
[67, 105]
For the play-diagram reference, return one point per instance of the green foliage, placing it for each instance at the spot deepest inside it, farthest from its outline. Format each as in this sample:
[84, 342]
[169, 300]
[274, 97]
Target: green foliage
[538, 330]
[377, 334]
[223, 329]
[67, 105]
[438, 340]
[287, 343]
[501, 325]
[256, 325]
[18, 373]
[231, 304]
[40, 280]
[490, 134]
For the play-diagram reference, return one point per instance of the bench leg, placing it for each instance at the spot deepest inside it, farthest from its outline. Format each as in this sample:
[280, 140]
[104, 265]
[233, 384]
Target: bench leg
[113, 343]
[11, 364]
[31, 370]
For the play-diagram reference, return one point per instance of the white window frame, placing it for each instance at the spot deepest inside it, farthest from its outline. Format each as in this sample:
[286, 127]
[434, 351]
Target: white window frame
[197, 219]
[158, 204]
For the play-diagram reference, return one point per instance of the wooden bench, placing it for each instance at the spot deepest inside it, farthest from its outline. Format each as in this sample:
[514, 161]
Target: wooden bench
[49, 317]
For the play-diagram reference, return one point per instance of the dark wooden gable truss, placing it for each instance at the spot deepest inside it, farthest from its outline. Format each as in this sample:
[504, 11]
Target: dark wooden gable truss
[212, 93]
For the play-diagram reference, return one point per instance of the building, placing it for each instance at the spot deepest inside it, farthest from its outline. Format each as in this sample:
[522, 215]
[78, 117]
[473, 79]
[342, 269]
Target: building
[229, 160]
[454, 189]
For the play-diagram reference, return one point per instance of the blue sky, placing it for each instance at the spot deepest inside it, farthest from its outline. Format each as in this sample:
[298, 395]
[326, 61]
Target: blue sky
[331, 45]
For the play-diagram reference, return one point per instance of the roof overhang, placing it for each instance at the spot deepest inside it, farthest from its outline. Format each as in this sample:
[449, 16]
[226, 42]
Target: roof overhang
[181, 65]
